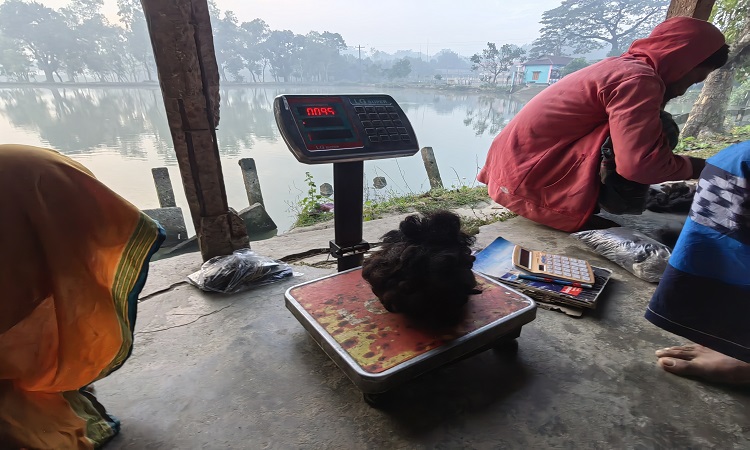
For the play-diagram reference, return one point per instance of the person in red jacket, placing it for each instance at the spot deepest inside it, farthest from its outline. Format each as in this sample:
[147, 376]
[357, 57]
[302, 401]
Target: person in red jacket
[545, 164]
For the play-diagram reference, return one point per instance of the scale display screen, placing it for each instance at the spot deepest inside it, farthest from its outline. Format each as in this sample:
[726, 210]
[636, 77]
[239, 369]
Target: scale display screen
[325, 125]
[338, 128]
[316, 110]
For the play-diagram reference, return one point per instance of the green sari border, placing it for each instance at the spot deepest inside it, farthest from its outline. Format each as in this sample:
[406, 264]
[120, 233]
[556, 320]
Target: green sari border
[130, 277]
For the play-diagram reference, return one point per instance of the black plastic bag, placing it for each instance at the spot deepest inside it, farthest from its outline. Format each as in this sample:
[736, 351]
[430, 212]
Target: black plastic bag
[619, 195]
[240, 271]
[634, 251]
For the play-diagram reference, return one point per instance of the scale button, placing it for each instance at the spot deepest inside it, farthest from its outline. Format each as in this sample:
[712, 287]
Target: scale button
[390, 108]
[374, 139]
[392, 130]
[398, 123]
[377, 123]
[381, 131]
[370, 131]
[370, 109]
[393, 115]
[362, 116]
[359, 109]
[387, 123]
[374, 117]
[402, 130]
[384, 116]
[381, 108]
[366, 124]
[405, 137]
[384, 137]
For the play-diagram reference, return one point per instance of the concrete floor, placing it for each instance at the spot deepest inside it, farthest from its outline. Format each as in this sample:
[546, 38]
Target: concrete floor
[240, 372]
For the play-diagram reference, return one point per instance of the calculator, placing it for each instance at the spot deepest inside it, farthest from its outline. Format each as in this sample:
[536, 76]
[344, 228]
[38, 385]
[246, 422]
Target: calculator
[553, 266]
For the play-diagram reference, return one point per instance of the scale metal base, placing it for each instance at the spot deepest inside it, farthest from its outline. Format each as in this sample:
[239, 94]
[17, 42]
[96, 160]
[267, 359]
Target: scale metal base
[379, 350]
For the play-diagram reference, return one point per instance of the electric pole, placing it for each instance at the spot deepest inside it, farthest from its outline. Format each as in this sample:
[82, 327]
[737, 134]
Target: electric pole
[359, 48]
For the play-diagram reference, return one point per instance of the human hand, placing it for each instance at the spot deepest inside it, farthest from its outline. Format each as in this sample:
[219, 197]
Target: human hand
[698, 165]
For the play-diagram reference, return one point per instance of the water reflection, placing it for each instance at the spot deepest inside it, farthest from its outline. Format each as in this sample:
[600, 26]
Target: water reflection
[122, 133]
[76, 121]
[491, 114]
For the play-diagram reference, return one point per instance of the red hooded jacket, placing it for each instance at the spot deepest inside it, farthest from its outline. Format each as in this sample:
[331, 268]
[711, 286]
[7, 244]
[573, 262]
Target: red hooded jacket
[544, 165]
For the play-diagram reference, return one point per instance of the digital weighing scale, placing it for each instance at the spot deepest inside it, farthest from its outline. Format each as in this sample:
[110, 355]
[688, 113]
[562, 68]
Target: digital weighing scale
[377, 350]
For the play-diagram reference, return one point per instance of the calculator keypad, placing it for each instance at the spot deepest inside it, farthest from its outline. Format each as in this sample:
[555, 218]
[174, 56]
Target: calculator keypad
[563, 266]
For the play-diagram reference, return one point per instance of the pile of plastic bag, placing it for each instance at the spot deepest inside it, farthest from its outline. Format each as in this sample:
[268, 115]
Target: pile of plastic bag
[240, 271]
[634, 251]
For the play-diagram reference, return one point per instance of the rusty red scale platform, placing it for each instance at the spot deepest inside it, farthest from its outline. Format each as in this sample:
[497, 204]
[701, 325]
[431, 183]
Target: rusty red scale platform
[379, 350]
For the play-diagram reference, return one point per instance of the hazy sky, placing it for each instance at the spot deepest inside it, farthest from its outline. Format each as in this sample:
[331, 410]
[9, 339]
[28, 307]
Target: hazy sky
[391, 25]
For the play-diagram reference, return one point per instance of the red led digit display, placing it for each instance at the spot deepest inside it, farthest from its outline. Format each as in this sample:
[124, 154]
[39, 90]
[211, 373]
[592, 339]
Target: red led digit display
[315, 111]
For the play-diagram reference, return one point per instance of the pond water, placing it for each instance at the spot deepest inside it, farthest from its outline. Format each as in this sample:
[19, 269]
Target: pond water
[120, 134]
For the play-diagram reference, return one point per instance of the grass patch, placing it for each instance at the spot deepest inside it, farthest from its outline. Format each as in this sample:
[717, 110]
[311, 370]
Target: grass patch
[471, 224]
[311, 218]
[433, 200]
[308, 210]
[706, 147]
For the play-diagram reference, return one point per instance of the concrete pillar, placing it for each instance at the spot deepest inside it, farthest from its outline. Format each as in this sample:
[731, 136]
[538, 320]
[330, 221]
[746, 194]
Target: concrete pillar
[252, 182]
[163, 187]
[430, 164]
[182, 40]
[699, 9]
[173, 222]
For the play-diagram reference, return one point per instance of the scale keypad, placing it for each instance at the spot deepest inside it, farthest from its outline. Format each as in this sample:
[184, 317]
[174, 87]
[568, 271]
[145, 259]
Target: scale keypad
[382, 124]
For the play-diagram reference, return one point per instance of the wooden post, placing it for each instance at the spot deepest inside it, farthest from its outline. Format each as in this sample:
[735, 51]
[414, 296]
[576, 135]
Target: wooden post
[699, 9]
[163, 187]
[430, 164]
[252, 182]
[181, 37]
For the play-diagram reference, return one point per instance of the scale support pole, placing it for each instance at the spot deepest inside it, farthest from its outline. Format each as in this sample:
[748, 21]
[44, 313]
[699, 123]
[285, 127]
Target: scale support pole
[347, 212]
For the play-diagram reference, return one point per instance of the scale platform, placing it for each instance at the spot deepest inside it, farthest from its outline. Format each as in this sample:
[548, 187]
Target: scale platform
[379, 350]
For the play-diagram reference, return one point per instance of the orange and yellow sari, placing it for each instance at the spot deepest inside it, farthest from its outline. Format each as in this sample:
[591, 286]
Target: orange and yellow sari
[73, 258]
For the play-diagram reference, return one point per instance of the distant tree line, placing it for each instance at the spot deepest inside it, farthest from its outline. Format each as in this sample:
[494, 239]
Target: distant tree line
[78, 43]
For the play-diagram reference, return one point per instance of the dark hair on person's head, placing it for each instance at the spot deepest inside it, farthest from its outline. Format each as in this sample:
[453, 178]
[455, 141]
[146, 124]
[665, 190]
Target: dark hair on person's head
[423, 269]
[718, 59]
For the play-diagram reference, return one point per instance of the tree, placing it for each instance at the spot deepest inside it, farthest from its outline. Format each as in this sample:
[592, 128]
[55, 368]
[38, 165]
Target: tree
[137, 41]
[587, 25]
[552, 42]
[573, 66]
[100, 47]
[15, 64]
[281, 52]
[322, 52]
[709, 111]
[229, 41]
[449, 60]
[493, 61]
[40, 31]
[400, 69]
[256, 34]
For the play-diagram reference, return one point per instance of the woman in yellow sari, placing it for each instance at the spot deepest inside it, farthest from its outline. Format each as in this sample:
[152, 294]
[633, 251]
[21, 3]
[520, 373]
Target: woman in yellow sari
[73, 259]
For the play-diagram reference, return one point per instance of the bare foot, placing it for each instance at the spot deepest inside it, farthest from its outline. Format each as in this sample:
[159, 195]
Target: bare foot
[702, 362]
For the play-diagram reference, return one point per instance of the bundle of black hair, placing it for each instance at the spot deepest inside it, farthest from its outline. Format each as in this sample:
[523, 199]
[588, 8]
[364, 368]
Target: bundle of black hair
[423, 269]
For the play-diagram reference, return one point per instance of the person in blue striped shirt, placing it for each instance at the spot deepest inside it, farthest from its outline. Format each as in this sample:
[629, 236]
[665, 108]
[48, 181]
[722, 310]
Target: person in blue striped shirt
[704, 294]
